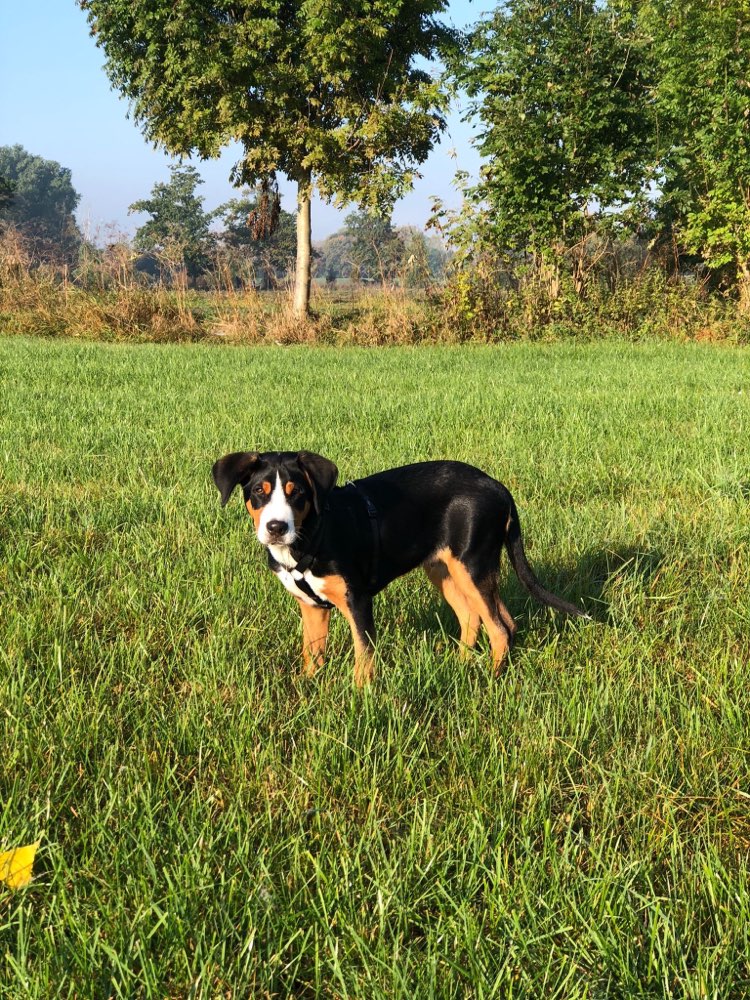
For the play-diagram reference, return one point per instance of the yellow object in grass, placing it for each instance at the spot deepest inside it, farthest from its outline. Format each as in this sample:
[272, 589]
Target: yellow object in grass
[16, 865]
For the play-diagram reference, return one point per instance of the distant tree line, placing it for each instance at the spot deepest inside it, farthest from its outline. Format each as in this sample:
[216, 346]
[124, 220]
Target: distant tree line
[370, 250]
[261, 251]
[232, 244]
[180, 235]
[37, 197]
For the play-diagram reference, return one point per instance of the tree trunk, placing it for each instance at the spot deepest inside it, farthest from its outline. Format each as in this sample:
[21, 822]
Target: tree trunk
[302, 275]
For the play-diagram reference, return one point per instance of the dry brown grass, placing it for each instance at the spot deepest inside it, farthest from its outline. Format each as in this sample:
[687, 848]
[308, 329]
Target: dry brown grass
[102, 300]
[105, 297]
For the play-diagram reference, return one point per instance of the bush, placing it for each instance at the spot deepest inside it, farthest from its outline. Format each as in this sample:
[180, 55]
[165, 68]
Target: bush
[487, 300]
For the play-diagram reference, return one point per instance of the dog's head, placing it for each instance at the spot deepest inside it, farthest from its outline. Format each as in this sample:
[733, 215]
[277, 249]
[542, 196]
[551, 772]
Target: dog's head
[281, 489]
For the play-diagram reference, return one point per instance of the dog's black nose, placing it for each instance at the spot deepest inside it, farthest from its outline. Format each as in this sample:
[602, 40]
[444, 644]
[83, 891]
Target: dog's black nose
[277, 527]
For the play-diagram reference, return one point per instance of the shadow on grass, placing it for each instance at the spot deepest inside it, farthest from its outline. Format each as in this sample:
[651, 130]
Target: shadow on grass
[585, 583]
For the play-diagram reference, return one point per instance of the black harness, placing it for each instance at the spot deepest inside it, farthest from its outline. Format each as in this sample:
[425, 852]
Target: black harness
[307, 559]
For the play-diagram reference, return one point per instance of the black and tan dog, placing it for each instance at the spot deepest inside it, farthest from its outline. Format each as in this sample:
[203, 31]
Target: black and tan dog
[338, 547]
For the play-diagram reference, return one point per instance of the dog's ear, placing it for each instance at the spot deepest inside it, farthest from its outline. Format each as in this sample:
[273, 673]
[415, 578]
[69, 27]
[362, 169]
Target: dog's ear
[321, 474]
[233, 469]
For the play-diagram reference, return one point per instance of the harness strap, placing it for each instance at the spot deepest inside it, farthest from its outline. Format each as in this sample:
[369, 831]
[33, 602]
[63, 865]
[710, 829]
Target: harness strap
[301, 583]
[372, 514]
[306, 562]
[313, 544]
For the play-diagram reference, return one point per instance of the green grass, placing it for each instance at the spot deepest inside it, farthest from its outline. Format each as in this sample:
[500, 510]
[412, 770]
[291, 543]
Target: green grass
[214, 825]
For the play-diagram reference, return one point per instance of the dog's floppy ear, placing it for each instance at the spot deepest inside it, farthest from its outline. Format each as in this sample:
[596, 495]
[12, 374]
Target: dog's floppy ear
[233, 469]
[321, 474]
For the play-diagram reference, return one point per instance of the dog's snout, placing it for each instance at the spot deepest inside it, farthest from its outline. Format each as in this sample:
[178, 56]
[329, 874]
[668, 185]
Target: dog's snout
[277, 528]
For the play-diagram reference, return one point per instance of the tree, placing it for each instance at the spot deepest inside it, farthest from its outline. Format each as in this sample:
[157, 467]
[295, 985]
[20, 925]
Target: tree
[371, 248]
[270, 250]
[179, 227]
[325, 91]
[38, 198]
[334, 257]
[560, 89]
[375, 249]
[702, 50]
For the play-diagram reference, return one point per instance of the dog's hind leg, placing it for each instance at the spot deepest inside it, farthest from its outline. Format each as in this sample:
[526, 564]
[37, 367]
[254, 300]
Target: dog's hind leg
[505, 616]
[480, 594]
[468, 620]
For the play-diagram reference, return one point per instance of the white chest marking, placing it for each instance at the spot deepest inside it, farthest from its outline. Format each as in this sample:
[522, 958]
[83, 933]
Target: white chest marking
[314, 583]
[282, 555]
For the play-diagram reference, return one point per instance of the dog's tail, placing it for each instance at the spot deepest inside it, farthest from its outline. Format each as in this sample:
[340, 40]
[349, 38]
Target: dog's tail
[524, 572]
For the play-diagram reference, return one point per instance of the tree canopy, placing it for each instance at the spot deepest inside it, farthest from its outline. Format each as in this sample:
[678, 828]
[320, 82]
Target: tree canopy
[702, 49]
[332, 93]
[560, 91]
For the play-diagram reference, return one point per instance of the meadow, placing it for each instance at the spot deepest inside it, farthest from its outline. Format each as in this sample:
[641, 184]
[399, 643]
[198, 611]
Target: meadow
[213, 824]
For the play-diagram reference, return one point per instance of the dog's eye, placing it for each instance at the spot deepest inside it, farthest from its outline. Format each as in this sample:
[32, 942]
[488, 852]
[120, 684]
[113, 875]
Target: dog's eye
[258, 490]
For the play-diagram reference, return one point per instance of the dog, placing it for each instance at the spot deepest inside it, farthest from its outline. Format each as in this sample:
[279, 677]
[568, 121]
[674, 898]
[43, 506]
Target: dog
[336, 547]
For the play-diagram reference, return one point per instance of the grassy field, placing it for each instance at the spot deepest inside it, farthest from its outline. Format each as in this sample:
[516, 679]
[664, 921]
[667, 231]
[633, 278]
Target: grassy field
[214, 825]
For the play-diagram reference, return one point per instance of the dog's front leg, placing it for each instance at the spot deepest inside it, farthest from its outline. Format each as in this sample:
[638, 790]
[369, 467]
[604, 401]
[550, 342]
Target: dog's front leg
[362, 624]
[314, 636]
[358, 612]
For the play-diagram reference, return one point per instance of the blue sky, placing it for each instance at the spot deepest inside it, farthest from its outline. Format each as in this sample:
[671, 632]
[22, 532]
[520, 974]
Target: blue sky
[57, 103]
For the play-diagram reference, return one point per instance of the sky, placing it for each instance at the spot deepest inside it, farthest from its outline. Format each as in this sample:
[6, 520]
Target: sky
[57, 103]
